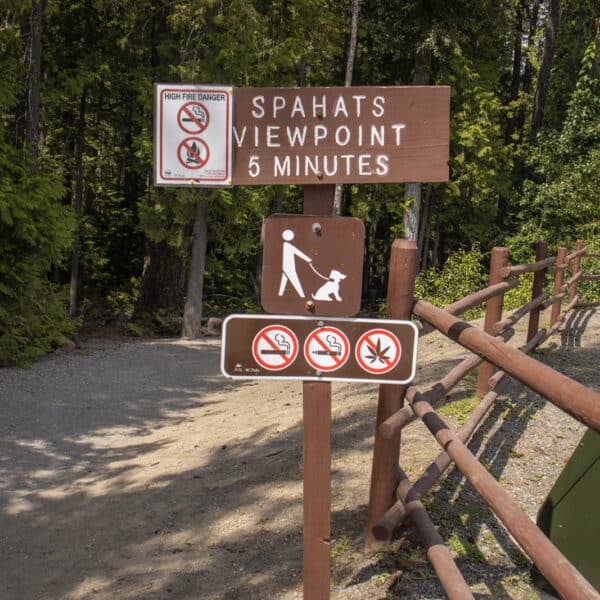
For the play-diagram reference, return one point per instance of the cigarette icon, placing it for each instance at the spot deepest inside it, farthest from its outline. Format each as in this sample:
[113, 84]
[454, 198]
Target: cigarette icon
[327, 352]
[284, 347]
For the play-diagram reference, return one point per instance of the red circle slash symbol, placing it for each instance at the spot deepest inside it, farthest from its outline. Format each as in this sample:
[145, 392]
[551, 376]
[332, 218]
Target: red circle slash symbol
[326, 349]
[193, 153]
[378, 351]
[193, 117]
[275, 347]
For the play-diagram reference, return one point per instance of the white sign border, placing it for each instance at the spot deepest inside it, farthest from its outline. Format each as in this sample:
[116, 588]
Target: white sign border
[159, 181]
[324, 376]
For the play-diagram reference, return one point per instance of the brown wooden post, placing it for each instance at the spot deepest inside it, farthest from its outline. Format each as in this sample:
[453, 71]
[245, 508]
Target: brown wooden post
[316, 410]
[493, 314]
[538, 287]
[384, 471]
[559, 278]
[576, 269]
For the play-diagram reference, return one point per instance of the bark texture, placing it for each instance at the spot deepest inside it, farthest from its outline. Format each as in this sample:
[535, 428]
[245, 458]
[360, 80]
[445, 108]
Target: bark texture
[192, 313]
[543, 80]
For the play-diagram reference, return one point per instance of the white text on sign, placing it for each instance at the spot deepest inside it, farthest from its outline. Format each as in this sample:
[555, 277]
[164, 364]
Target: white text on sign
[327, 135]
[346, 130]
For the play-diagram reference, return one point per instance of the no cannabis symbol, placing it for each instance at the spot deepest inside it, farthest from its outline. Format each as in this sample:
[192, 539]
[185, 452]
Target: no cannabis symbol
[378, 351]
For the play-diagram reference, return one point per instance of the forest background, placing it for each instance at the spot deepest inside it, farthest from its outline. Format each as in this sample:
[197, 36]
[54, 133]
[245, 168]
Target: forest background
[86, 237]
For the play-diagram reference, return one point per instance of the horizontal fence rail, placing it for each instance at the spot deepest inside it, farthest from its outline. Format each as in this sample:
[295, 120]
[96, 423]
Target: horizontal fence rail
[574, 398]
[497, 362]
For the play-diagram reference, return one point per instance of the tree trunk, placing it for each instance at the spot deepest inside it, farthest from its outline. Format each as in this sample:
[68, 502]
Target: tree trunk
[162, 281]
[516, 69]
[596, 65]
[435, 255]
[502, 207]
[412, 191]
[533, 11]
[192, 313]
[337, 196]
[78, 206]
[424, 227]
[543, 81]
[35, 74]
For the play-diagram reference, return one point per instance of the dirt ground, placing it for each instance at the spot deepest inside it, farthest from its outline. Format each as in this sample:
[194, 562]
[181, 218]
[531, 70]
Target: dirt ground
[131, 469]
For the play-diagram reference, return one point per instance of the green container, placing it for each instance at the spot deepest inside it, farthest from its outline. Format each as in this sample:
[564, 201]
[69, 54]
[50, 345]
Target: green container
[570, 516]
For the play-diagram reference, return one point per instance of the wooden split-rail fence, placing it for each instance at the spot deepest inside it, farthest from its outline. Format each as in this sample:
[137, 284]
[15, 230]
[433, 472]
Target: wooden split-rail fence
[393, 497]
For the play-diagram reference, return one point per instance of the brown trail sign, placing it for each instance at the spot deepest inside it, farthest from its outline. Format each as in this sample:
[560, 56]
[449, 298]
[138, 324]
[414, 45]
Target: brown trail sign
[319, 349]
[316, 137]
[340, 135]
[312, 265]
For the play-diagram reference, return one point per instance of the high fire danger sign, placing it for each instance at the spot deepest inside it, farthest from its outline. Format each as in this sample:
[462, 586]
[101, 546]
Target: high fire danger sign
[193, 135]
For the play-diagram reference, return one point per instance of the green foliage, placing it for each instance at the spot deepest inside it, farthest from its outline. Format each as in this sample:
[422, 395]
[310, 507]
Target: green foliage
[380, 208]
[481, 162]
[33, 324]
[100, 60]
[521, 294]
[460, 409]
[462, 274]
[589, 291]
[35, 233]
[561, 201]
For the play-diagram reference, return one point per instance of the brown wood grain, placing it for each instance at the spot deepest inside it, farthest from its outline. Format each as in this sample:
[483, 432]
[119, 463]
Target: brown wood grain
[350, 135]
[316, 409]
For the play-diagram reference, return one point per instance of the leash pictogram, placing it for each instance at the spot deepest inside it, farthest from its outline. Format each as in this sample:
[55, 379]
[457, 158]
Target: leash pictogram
[326, 349]
[275, 347]
[378, 351]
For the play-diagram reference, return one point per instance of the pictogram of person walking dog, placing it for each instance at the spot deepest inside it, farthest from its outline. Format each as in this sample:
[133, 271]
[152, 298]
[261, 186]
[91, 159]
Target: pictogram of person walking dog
[327, 292]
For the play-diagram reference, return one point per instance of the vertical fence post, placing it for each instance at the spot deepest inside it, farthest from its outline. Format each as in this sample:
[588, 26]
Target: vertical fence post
[493, 314]
[538, 287]
[316, 412]
[384, 471]
[559, 278]
[576, 269]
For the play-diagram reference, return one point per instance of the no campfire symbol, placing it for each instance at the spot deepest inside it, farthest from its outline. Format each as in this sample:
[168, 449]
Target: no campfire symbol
[312, 261]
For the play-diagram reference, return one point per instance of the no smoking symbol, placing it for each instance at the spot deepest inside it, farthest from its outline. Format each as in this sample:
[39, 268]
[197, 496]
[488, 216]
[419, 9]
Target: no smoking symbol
[378, 351]
[275, 347]
[193, 117]
[326, 349]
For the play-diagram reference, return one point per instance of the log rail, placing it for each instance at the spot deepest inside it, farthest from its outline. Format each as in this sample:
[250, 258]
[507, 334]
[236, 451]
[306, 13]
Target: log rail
[497, 362]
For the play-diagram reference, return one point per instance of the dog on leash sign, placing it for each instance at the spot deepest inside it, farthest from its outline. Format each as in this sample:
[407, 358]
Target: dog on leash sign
[312, 265]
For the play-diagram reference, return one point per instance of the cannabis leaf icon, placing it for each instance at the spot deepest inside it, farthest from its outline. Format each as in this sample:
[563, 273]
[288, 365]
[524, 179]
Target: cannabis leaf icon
[378, 353]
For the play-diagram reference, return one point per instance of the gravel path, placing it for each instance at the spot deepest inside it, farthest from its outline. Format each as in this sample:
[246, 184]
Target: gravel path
[131, 469]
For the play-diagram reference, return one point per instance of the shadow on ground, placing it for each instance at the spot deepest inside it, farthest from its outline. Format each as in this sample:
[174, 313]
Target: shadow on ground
[79, 518]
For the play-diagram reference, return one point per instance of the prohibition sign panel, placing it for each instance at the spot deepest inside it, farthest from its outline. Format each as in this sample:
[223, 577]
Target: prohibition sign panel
[193, 153]
[275, 347]
[193, 117]
[378, 351]
[193, 135]
[326, 348]
[250, 349]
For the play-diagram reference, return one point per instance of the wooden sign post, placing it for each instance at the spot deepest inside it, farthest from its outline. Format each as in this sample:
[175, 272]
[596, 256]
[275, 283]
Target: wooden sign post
[315, 137]
[319, 137]
[316, 449]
